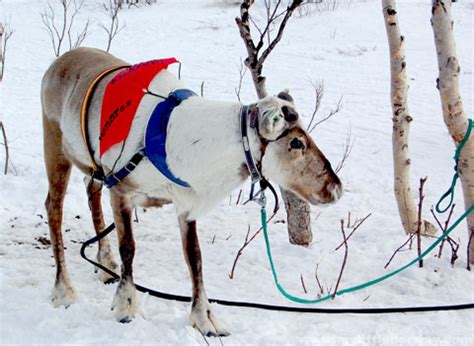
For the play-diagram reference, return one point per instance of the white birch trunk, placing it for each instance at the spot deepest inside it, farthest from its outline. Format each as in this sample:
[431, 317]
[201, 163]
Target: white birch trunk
[401, 124]
[453, 112]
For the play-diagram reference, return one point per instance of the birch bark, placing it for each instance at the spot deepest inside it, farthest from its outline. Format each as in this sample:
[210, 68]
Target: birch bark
[453, 111]
[401, 124]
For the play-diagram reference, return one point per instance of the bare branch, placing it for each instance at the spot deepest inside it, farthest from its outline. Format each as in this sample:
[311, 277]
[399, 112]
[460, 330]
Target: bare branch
[255, 60]
[242, 72]
[356, 226]
[272, 45]
[321, 290]
[332, 113]
[112, 8]
[318, 87]
[346, 251]
[452, 243]
[5, 33]
[246, 243]
[399, 249]
[58, 33]
[302, 284]
[469, 252]
[81, 36]
[346, 152]
[7, 151]
[420, 220]
[443, 228]
[418, 232]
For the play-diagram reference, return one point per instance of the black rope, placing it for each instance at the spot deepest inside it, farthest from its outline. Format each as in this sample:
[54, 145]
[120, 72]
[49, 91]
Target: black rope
[167, 296]
[148, 92]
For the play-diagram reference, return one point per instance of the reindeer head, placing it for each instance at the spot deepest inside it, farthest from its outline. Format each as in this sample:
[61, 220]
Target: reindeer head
[291, 157]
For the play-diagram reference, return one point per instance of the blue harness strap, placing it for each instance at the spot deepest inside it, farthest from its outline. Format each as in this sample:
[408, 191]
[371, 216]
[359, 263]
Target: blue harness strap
[155, 141]
[113, 179]
[155, 135]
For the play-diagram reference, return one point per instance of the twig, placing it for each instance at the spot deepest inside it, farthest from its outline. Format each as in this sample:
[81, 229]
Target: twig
[346, 251]
[112, 7]
[399, 249]
[318, 87]
[5, 33]
[246, 243]
[81, 36]
[321, 290]
[356, 226]
[238, 197]
[420, 220]
[444, 228]
[469, 252]
[57, 33]
[346, 152]
[7, 151]
[242, 72]
[302, 284]
[256, 57]
[332, 113]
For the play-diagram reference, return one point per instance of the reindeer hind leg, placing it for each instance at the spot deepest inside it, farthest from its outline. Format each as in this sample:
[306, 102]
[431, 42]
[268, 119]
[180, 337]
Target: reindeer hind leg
[58, 168]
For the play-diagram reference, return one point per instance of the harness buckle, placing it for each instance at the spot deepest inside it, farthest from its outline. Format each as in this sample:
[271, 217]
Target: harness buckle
[130, 166]
[261, 200]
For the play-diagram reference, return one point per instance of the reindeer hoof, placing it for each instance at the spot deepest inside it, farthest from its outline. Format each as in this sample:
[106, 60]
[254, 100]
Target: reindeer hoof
[125, 320]
[207, 324]
[111, 281]
[63, 295]
[125, 305]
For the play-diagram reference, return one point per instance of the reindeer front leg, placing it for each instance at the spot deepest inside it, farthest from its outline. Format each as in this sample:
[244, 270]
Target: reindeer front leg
[201, 316]
[125, 304]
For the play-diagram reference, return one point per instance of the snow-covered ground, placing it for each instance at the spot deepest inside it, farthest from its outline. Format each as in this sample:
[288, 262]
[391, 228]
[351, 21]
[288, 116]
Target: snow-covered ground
[346, 48]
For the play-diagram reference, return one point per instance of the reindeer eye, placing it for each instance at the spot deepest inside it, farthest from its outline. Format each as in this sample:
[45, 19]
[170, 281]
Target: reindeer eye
[296, 144]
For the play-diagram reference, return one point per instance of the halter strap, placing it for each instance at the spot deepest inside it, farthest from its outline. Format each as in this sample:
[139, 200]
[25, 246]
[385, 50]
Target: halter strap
[255, 174]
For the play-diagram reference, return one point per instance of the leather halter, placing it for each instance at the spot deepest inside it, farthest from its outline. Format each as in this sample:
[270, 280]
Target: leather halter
[255, 169]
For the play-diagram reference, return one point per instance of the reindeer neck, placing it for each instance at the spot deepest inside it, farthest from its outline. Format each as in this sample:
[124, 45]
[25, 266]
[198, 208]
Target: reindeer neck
[206, 143]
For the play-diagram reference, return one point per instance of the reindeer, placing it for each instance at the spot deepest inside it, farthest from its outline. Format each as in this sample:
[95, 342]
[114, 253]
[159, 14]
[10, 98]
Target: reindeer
[204, 147]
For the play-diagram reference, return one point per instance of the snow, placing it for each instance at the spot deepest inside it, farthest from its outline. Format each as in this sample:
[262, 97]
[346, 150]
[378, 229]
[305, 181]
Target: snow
[347, 49]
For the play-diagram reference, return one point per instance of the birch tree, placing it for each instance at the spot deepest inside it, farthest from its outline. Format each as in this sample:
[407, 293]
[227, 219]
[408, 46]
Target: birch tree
[453, 111]
[298, 210]
[401, 124]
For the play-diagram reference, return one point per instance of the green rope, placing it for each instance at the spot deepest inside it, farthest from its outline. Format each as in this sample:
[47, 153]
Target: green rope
[263, 215]
[450, 191]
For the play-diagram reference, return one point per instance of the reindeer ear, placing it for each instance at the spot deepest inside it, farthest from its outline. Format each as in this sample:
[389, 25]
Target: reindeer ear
[285, 95]
[290, 114]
